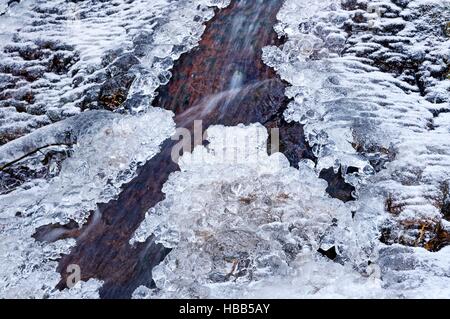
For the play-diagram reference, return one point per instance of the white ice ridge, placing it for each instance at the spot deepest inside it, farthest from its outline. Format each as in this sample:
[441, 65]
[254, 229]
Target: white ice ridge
[55, 54]
[369, 84]
[105, 157]
[62, 133]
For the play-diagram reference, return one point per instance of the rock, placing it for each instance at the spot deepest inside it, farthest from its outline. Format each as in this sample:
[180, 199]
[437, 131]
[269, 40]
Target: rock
[110, 56]
[60, 63]
[445, 201]
[447, 28]
[45, 164]
[54, 115]
[337, 187]
[141, 43]
[114, 91]
[91, 96]
[9, 136]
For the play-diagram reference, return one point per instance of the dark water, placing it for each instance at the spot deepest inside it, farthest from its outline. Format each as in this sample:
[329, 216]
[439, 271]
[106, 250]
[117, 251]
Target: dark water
[222, 81]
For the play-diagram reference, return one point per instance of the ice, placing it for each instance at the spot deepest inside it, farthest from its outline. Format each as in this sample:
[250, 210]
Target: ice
[106, 156]
[235, 223]
[29, 268]
[367, 80]
[316, 277]
[66, 51]
[412, 272]
[62, 133]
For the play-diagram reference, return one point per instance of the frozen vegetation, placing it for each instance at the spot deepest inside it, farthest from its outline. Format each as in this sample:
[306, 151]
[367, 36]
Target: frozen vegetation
[368, 79]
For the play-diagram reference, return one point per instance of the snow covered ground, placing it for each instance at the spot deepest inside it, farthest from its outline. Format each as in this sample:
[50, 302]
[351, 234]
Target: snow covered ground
[369, 80]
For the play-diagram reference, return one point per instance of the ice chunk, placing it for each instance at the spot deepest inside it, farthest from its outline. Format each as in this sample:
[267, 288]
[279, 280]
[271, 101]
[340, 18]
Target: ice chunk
[106, 155]
[55, 57]
[234, 222]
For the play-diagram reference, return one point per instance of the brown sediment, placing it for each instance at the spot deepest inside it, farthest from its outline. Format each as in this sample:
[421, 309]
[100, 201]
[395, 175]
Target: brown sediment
[222, 81]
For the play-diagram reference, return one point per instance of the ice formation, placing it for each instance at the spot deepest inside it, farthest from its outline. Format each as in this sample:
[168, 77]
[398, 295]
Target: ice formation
[254, 232]
[369, 84]
[61, 57]
[237, 217]
[105, 157]
[55, 60]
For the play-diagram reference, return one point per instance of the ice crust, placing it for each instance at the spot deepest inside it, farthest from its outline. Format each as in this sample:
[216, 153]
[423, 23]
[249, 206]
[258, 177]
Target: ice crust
[236, 223]
[254, 232]
[108, 147]
[391, 124]
[105, 157]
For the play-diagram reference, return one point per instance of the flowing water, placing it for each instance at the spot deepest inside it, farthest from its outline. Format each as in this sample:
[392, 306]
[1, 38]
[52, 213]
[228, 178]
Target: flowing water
[222, 81]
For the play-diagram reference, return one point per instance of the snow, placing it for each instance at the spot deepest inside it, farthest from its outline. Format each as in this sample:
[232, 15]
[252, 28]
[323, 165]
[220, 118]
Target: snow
[358, 114]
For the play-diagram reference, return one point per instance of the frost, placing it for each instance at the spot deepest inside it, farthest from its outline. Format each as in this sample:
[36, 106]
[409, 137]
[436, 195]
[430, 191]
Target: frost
[232, 232]
[412, 272]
